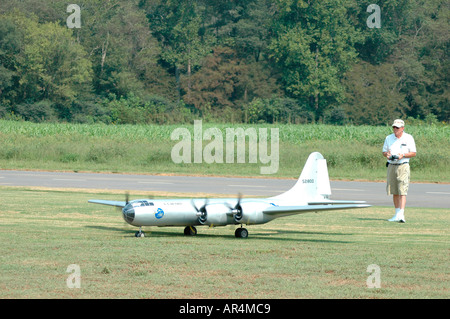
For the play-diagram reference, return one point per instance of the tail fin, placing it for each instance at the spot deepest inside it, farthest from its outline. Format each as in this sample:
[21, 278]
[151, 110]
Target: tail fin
[313, 185]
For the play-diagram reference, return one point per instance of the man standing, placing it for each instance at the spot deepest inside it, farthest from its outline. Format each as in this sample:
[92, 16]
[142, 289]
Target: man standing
[398, 148]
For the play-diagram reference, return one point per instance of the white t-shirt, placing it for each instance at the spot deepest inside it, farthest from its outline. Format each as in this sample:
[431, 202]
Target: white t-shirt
[402, 145]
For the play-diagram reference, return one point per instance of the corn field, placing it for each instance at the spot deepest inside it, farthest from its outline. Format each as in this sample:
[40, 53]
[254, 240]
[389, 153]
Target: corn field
[352, 152]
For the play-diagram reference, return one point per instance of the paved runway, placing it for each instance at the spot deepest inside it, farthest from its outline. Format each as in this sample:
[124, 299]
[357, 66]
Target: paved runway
[420, 195]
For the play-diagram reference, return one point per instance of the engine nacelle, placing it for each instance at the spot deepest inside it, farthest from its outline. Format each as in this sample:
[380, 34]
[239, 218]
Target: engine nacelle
[251, 213]
[216, 215]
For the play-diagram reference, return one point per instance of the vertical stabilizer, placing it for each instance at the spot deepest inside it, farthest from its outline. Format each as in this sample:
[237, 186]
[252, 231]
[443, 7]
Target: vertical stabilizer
[313, 183]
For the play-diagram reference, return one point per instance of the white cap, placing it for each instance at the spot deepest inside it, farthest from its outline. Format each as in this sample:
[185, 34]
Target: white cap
[398, 123]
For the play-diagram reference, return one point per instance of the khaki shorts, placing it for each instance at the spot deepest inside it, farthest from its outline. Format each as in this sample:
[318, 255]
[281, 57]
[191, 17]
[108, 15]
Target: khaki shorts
[397, 179]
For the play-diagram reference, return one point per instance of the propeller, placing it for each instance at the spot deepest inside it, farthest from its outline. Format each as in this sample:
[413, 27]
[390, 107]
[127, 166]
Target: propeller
[201, 212]
[237, 209]
[121, 209]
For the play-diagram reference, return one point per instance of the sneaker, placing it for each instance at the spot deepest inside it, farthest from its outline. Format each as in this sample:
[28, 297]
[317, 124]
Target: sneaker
[394, 219]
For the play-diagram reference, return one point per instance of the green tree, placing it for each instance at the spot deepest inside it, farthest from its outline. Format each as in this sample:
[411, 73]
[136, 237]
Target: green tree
[254, 60]
[215, 84]
[10, 43]
[414, 40]
[313, 47]
[179, 26]
[249, 28]
[421, 59]
[49, 64]
[379, 43]
[53, 66]
[372, 94]
[121, 47]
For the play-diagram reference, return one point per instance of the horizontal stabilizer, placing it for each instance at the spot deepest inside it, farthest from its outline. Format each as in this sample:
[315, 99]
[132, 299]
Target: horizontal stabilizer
[274, 210]
[108, 202]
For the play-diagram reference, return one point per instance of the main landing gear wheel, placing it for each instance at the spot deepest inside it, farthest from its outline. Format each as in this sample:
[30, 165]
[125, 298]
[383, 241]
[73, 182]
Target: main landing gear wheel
[241, 233]
[190, 231]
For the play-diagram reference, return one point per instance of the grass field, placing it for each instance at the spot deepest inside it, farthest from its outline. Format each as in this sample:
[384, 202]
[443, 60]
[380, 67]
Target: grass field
[352, 152]
[305, 256]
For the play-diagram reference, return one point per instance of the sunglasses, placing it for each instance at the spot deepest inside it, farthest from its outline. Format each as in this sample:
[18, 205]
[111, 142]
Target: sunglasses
[395, 127]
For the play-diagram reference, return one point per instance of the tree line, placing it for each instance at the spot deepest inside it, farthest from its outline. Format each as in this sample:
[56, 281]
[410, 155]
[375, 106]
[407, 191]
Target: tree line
[253, 61]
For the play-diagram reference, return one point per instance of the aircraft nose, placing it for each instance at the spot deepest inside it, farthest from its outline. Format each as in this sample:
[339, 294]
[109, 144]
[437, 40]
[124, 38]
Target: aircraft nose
[128, 213]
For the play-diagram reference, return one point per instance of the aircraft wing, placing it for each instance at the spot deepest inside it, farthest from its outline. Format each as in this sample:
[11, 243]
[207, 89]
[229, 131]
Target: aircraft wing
[282, 210]
[327, 202]
[108, 202]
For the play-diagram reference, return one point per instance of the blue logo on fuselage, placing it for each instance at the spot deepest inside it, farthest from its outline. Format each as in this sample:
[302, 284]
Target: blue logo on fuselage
[159, 213]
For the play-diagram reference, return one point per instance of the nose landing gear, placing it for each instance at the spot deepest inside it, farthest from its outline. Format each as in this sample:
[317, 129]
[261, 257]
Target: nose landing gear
[140, 233]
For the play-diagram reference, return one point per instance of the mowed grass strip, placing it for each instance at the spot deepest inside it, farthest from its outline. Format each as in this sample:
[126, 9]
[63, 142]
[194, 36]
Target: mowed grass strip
[323, 255]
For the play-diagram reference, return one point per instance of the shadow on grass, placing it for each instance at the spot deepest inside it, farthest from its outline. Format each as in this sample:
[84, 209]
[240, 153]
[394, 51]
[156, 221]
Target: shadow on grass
[275, 235]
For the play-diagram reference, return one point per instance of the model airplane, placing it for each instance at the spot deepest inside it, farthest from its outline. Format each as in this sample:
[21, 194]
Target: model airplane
[311, 193]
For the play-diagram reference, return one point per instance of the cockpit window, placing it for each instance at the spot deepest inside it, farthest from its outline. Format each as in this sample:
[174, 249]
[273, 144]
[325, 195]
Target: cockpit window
[141, 203]
[138, 204]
